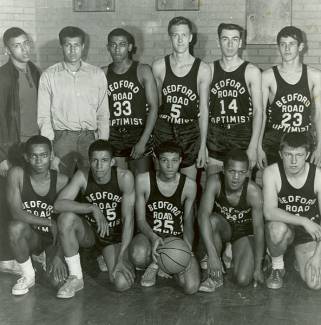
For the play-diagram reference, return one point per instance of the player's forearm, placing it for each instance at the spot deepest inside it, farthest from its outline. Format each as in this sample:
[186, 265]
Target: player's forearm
[127, 234]
[276, 214]
[64, 205]
[256, 129]
[149, 127]
[144, 227]
[29, 218]
[188, 235]
[206, 234]
[203, 125]
[259, 247]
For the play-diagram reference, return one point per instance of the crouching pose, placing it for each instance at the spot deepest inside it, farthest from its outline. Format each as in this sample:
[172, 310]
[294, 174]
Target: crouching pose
[164, 207]
[31, 193]
[103, 217]
[292, 196]
[231, 211]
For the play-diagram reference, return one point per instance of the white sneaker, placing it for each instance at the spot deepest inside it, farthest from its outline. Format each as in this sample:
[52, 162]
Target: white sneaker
[149, 277]
[102, 264]
[23, 285]
[71, 286]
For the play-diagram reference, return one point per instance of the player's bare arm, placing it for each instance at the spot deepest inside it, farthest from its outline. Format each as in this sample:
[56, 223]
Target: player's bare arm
[14, 187]
[314, 77]
[203, 83]
[271, 187]
[255, 200]
[205, 210]
[267, 82]
[254, 83]
[159, 70]
[188, 197]
[145, 76]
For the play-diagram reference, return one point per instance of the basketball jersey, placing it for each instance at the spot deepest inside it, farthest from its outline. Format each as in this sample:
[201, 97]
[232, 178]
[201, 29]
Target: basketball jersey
[39, 206]
[230, 100]
[108, 198]
[241, 213]
[127, 100]
[291, 108]
[299, 201]
[179, 95]
[165, 214]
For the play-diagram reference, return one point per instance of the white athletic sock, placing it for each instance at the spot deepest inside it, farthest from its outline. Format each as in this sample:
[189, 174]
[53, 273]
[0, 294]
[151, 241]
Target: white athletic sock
[277, 262]
[74, 266]
[27, 268]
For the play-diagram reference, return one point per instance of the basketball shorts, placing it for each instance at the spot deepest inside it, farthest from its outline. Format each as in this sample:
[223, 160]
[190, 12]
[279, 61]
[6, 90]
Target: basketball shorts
[221, 140]
[185, 135]
[124, 138]
[240, 230]
[301, 236]
[46, 240]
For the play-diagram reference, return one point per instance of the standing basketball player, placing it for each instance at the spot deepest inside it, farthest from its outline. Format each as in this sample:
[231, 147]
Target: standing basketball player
[289, 91]
[183, 84]
[164, 207]
[31, 193]
[292, 196]
[133, 102]
[231, 211]
[235, 101]
[104, 216]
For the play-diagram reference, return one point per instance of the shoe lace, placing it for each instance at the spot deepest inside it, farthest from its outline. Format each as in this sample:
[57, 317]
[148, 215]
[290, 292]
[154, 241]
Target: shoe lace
[276, 275]
[22, 280]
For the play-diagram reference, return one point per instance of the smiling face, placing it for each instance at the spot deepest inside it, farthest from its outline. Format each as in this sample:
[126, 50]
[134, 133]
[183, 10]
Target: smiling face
[72, 49]
[230, 42]
[180, 36]
[100, 165]
[290, 48]
[235, 174]
[19, 48]
[294, 159]
[119, 48]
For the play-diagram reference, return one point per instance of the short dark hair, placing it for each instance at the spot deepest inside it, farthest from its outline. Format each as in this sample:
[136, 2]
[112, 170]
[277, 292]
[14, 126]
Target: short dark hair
[71, 31]
[229, 26]
[36, 139]
[290, 31]
[180, 20]
[100, 145]
[168, 146]
[12, 33]
[236, 155]
[296, 140]
[121, 32]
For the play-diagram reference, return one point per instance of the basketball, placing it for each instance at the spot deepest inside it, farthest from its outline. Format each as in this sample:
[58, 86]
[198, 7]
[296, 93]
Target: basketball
[174, 255]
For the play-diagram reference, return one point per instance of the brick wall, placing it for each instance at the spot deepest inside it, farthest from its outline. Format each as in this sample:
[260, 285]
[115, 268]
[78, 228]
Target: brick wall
[44, 18]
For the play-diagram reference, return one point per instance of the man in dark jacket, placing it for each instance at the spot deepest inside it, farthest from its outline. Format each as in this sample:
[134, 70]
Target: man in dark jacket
[18, 114]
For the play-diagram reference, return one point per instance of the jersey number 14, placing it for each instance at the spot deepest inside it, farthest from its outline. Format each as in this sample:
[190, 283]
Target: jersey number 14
[232, 106]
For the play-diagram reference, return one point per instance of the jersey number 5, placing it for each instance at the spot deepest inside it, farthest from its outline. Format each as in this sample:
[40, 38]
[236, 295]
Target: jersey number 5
[122, 108]
[176, 110]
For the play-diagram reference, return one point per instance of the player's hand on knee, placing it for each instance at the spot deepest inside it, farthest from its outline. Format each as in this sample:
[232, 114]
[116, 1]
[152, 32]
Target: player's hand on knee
[261, 158]
[138, 150]
[125, 270]
[214, 269]
[156, 243]
[258, 277]
[313, 229]
[102, 224]
[313, 270]
[57, 269]
[252, 155]
[201, 158]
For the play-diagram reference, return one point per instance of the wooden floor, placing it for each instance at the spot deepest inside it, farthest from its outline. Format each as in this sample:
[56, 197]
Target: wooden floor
[99, 304]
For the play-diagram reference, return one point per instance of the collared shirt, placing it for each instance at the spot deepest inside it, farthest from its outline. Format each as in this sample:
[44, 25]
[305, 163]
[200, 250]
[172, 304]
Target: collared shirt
[73, 101]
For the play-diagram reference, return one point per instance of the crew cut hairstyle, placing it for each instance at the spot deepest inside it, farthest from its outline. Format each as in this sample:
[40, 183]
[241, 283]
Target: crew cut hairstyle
[229, 26]
[180, 20]
[168, 146]
[100, 145]
[36, 139]
[12, 33]
[121, 32]
[236, 155]
[71, 31]
[296, 140]
[290, 31]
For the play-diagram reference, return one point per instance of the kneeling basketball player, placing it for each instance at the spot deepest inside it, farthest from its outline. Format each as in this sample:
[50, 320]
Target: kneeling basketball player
[103, 216]
[231, 211]
[292, 196]
[31, 193]
[164, 207]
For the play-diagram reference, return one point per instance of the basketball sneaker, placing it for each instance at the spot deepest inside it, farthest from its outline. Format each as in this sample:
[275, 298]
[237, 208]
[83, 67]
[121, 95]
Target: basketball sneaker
[275, 280]
[71, 286]
[102, 264]
[149, 277]
[23, 285]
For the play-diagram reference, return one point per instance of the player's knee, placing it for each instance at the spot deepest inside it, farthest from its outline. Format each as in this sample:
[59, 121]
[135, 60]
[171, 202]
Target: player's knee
[16, 230]
[313, 284]
[191, 287]
[120, 282]
[139, 253]
[277, 232]
[215, 221]
[66, 222]
[243, 279]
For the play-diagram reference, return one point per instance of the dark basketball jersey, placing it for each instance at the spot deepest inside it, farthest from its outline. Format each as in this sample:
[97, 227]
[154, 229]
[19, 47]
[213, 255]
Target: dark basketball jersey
[291, 108]
[241, 214]
[179, 95]
[39, 206]
[127, 100]
[299, 201]
[108, 198]
[230, 100]
[165, 214]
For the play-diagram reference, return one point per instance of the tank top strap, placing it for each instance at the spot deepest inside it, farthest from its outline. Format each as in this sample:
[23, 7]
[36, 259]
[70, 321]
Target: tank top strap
[152, 182]
[53, 183]
[277, 75]
[27, 187]
[304, 76]
[244, 191]
[168, 67]
[114, 175]
[217, 67]
[195, 66]
[311, 175]
[243, 66]
[284, 180]
[222, 191]
[181, 183]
